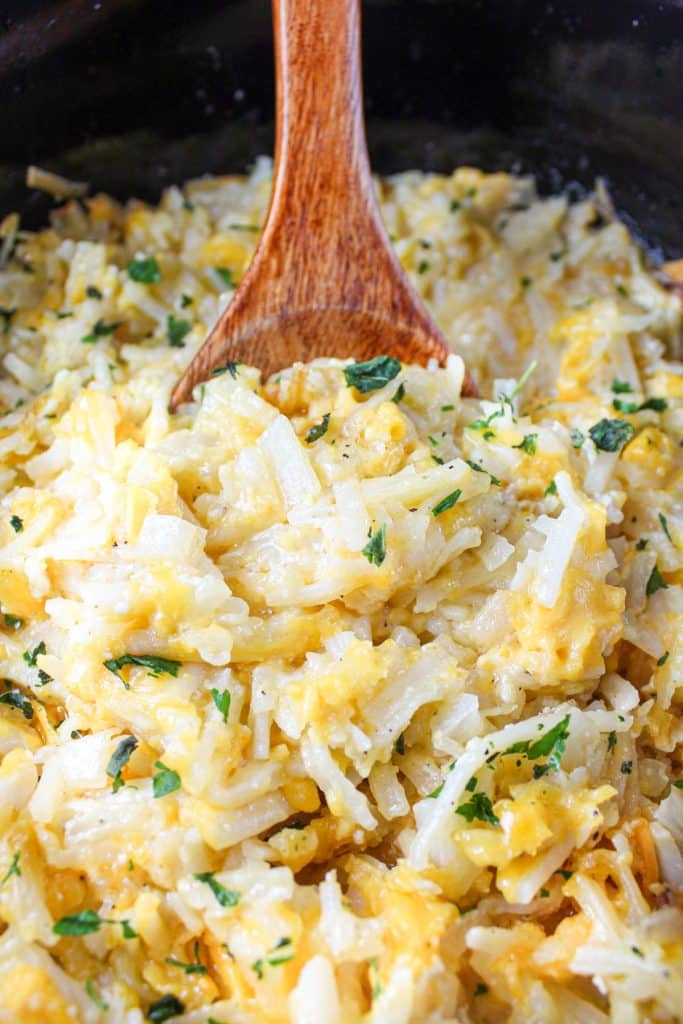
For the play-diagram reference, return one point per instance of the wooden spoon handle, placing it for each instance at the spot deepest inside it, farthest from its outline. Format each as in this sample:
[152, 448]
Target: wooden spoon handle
[322, 188]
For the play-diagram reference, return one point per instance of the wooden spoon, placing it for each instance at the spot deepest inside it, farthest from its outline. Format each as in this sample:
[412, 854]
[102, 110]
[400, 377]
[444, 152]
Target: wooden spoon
[324, 280]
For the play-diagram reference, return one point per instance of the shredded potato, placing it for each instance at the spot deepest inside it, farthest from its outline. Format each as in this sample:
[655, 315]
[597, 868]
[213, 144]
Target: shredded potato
[339, 698]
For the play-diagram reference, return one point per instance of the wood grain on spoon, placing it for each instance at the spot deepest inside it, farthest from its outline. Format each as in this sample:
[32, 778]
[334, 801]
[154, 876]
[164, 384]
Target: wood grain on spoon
[324, 280]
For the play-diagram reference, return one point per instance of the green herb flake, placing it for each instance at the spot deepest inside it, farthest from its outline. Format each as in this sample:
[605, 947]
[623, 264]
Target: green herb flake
[663, 660]
[528, 444]
[423, 266]
[480, 469]
[526, 282]
[187, 205]
[611, 741]
[30, 657]
[447, 408]
[558, 255]
[551, 744]
[165, 1008]
[19, 701]
[244, 227]
[655, 582]
[93, 293]
[481, 989]
[92, 994]
[119, 759]
[376, 548]
[435, 792]
[156, 666]
[576, 437]
[665, 526]
[550, 489]
[626, 767]
[177, 330]
[371, 375]
[192, 968]
[13, 869]
[478, 806]
[230, 368]
[6, 315]
[611, 435]
[455, 205]
[85, 923]
[17, 524]
[144, 271]
[225, 275]
[63, 315]
[400, 745]
[678, 783]
[621, 387]
[544, 894]
[636, 951]
[319, 430]
[623, 291]
[642, 544]
[564, 874]
[226, 897]
[185, 300]
[221, 699]
[471, 784]
[164, 781]
[399, 394]
[100, 330]
[447, 503]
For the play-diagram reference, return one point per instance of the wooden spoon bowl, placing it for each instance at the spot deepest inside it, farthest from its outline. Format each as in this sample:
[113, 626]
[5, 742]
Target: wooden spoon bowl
[324, 280]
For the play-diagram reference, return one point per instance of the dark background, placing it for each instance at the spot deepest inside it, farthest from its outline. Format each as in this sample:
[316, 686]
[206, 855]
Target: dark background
[133, 95]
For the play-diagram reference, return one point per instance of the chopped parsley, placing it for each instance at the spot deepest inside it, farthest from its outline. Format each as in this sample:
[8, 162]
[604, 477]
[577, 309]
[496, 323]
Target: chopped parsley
[373, 971]
[621, 387]
[92, 292]
[626, 767]
[6, 317]
[18, 700]
[319, 430]
[481, 989]
[447, 408]
[226, 897]
[480, 469]
[244, 227]
[13, 869]
[87, 922]
[119, 759]
[13, 621]
[165, 781]
[455, 205]
[447, 503]
[478, 806]
[665, 526]
[156, 666]
[164, 1008]
[544, 893]
[526, 282]
[30, 657]
[642, 544]
[100, 330]
[656, 404]
[185, 300]
[92, 993]
[558, 255]
[551, 745]
[423, 266]
[550, 489]
[398, 394]
[678, 783]
[376, 548]
[655, 582]
[177, 330]
[194, 968]
[611, 435]
[274, 958]
[611, 741]
[623, 291]
[225, 275]
[663, 660]
[144, 271]
[528, 444]
[221, 699]
[576, 437]
[400, 745]
[17, 524]
[371, 375]
[565, 874]
[230, 368]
